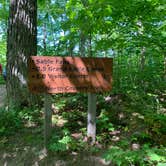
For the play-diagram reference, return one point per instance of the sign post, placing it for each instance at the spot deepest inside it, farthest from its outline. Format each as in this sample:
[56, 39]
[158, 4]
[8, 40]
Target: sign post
[91, 125]
[47, 118]
[51, 75]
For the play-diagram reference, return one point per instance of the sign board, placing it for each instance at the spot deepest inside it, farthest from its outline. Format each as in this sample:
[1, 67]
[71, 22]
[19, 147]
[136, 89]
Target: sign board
[69, 74]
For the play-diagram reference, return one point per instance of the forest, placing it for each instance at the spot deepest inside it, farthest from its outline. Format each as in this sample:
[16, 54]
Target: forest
[43, 129]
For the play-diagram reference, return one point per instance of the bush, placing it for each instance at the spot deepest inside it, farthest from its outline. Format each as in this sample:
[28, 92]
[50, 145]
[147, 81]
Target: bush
[10, 122]
[2, 81]
[31, 115]
[145, 157]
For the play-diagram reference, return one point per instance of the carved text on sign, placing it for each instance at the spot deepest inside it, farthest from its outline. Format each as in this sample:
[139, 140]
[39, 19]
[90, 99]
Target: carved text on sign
[69, 74]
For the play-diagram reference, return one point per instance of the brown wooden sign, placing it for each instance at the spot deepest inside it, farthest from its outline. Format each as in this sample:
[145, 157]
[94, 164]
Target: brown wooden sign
[69, 74]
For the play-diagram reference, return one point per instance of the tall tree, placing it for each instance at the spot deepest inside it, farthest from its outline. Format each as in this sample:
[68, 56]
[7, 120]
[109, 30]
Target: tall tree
[21, 44]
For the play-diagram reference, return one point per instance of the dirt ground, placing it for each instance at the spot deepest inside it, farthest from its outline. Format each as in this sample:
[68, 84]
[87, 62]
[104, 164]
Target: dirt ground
[26, 149]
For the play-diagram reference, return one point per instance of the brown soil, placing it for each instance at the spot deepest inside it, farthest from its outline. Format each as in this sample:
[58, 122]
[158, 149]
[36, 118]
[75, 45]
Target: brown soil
[26, 149]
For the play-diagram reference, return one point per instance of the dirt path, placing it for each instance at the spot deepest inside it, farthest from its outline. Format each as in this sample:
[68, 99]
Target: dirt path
[2, 94]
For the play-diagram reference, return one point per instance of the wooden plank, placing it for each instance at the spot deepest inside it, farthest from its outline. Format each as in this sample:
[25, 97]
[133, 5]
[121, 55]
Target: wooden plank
[69, 74]
[91, 126]
[47, 118]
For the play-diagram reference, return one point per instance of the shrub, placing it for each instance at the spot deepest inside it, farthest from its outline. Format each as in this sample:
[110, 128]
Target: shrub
[10, 122]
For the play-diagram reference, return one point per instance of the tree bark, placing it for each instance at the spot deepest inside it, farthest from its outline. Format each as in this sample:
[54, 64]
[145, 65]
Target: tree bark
[21, 44]
[44, 38]
[82, 44]
[142, 59]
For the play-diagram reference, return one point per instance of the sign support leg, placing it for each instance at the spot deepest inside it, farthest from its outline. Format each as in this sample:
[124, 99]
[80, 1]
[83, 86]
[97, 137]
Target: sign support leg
[47, 118]
[91, 126]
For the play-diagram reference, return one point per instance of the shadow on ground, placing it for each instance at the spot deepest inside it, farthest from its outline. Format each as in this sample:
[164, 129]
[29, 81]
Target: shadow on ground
[26, 149]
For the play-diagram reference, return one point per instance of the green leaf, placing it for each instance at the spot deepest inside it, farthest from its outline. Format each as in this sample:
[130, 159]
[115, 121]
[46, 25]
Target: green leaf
[155, 157]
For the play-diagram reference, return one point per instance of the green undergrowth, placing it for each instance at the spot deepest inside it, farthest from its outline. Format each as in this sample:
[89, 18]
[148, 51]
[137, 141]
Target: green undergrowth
[146, 156]
[2, 81]
[127, 120]
[124, 121]
[12, 120]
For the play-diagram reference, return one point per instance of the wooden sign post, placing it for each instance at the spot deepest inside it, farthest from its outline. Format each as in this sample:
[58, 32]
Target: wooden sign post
[91, 123]
[47, 118]
[51, 75]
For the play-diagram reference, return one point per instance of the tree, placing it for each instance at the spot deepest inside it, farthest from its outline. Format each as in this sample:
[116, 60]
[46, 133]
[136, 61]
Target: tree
[21, 44]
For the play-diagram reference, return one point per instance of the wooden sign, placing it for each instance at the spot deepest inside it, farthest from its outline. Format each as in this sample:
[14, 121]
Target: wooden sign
[69, 74]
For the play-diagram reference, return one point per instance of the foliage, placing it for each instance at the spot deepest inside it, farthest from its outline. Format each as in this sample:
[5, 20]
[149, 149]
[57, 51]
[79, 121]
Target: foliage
[64, 142]
[156, 127]
[2, 81]
[59, 144]
[31, 115]
[133, 33]
[70, 101]
[14, 119]
[2, 52]
[10, 122]
[2, 58]
[104, 122]
[145, 156]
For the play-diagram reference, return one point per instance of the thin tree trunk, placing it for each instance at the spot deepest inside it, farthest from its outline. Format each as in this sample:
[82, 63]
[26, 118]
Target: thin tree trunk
[142, 64]
[71, 47]
[44, 38]
[142, 59]
[21, 44]
[53, 34]
[82, 44]
[165, 65]
[90, 45]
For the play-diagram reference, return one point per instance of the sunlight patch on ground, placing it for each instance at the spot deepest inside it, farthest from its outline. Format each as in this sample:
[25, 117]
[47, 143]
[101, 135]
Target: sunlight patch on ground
[58, 120]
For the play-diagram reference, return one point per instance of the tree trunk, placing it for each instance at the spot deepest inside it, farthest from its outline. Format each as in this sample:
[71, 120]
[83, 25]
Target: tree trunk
[164, 63]
[90, 53]
[21, 44]
[142, 65]
[82, 44]
[44, 38]
[142, 59]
